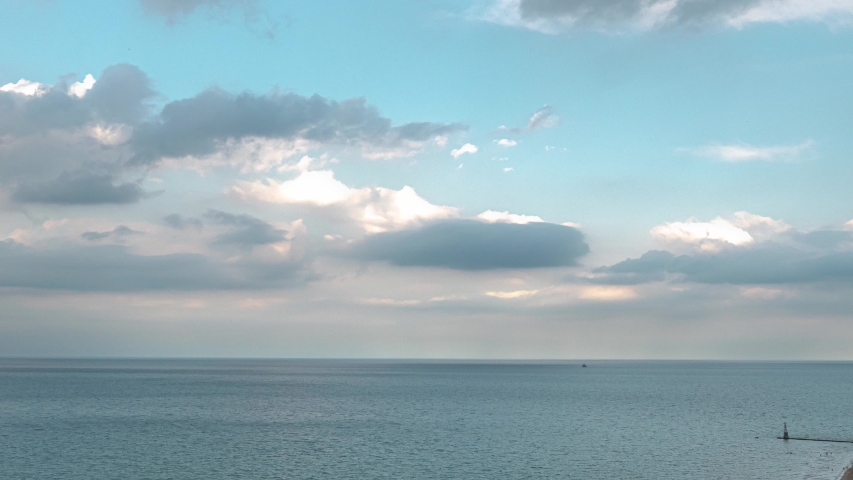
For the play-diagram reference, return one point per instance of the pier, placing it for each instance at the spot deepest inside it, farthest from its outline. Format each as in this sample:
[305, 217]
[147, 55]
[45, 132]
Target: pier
[785, 436]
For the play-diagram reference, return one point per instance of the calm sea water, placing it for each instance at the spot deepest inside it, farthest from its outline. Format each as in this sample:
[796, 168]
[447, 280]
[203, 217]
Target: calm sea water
[205, 419]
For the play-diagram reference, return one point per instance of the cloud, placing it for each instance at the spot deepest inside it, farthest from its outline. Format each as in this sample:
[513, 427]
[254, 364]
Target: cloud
[114, 268]
[492, 216]
[375, 209]
[467, 148]
[607, 293]
[505, 142]
[513, 295]
[120, 95]
[24, 87]
[109, 124]
[80, 189]
[119, 231]
[78, 128]
[743, 229]
[257, 19]
[761, 293]
[173, 10]
[708, 234]
[768, 264]
[616, 16]
[248, 231]
[542, 118]
[747, 153]
[475, 245]
[215, 120]
[749, 250]
[180, 222]
[79, 89]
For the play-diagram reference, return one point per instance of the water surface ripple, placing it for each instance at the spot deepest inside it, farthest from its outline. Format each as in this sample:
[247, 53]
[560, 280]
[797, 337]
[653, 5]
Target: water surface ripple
[265, 419]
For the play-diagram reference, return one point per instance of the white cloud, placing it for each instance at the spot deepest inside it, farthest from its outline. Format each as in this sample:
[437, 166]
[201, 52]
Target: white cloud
[784, 11]
[507, 12]
[508, 169]
[743, 229]
[745, 153]
[492, 216]
[318, 188]
[543, 118]
[110, 135]
[79, 89]
[848, 225]
[24, 87]
[513, 295]
[760, 293]
[467, 148]
[759, 226]
[375, 209]
[708, 235]
[460, 166]
[506, 142]
[607, 293]
[390, 302]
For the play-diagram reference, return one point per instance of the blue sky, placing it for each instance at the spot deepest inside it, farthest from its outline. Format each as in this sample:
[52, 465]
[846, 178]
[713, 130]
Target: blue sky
[672, 178]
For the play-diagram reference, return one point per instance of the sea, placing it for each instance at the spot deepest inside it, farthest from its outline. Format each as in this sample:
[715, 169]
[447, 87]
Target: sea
[366, 419]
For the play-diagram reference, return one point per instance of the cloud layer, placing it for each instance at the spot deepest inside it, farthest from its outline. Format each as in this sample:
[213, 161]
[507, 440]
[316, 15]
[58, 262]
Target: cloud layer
[116, 268]
[554, 16]
[750, 249]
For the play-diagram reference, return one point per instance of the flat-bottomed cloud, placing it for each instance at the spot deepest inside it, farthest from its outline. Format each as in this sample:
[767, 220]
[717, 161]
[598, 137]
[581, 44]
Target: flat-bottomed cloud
[475, 245]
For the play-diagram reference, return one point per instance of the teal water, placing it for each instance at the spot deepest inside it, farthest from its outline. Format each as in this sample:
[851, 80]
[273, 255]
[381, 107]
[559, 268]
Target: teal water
[205, 419]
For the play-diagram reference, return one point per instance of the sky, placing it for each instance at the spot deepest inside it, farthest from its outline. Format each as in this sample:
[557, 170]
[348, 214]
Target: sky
[502, 179]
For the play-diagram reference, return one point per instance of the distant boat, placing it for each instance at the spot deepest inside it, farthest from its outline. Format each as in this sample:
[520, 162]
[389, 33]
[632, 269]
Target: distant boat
[584, 365]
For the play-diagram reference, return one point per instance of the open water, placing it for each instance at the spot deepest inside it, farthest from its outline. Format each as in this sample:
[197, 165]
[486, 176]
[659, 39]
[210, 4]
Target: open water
[293, 419]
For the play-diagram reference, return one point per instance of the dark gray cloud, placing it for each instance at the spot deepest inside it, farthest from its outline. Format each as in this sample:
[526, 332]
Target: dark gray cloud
[180, 222]
[114, 128]
[248, 231]
[120, 95]
[119, 231]
[80, 189]
[596, 12]
[25, 115]
[114, 268]
[197, 126]
[770, 263]
[474, 245]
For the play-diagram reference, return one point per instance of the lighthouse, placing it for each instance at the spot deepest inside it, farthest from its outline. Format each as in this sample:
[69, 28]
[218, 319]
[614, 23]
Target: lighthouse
[785, 433]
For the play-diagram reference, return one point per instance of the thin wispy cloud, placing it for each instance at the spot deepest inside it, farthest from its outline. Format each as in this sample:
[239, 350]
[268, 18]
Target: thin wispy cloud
[542, 118]
[748, 153]
[257, 19]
